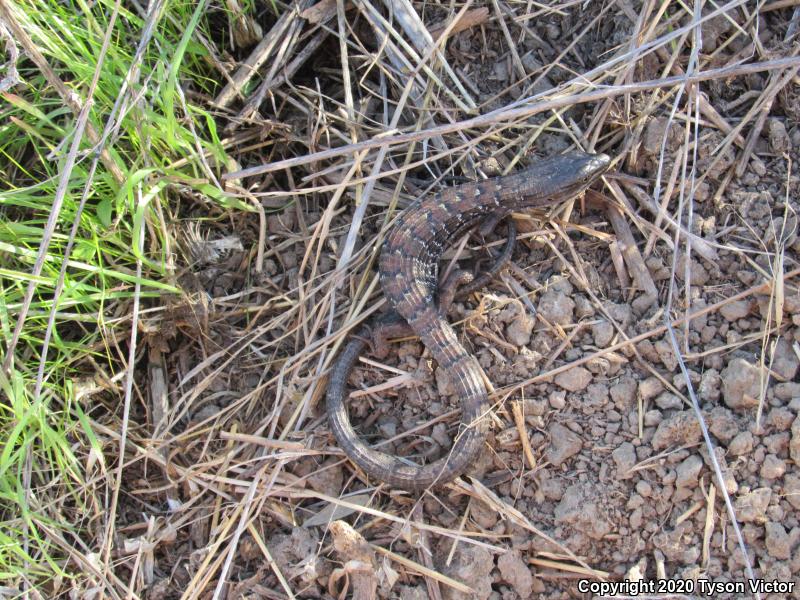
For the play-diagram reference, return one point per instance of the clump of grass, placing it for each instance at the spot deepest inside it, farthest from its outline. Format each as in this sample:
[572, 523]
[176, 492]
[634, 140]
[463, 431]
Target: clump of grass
[95, 223]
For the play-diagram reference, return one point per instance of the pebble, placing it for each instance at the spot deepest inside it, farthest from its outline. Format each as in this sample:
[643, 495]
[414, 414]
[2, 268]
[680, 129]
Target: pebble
[709, 385]
[557, 399]
[471, 566]
[603, 333]
[688, 471]
[579, 508]
[698, 275]
[772, 467]
[740, 384]
[621, 313]
[666, 355]
[777, 443]
[741, 444]
[652, 418]
[734, 311]
[751, 507]
[681, 428]
[722, 423]
[785, 361]
[777, 541]
[644, 489]
[794, 444]
[623, 393]
[574, 380]
[650, 388]
[787, 391]
[624, 457]
[515, 572]
[483, 516]
[518, 332]
[791, 489]
[563, 444]
[584, 308]
[779, 141]
[668, 401]
[597, 394]
[655, 132]
[556, 307]
[780, 418]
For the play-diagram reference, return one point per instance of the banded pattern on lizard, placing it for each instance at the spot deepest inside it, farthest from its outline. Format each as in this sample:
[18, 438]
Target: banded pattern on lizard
[408, 269]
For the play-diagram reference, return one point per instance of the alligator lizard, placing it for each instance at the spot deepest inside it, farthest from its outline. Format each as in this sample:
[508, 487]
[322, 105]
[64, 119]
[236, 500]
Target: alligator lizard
[408, 269]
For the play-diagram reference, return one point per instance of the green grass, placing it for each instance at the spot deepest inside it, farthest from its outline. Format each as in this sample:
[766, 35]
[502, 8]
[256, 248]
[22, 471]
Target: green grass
[47, 437]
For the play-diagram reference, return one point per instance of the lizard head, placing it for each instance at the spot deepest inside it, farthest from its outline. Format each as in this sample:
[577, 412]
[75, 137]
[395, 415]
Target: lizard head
[559, 177]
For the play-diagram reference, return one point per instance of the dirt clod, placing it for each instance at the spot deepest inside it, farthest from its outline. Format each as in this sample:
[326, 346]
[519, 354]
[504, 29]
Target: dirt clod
[563, 444]
[740, 384]
[516, 573]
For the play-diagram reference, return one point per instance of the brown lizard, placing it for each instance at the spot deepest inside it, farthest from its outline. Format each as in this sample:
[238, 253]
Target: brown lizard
[408, 269]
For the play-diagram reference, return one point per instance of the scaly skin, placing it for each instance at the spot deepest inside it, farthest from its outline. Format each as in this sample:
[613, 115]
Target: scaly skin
[409, 272]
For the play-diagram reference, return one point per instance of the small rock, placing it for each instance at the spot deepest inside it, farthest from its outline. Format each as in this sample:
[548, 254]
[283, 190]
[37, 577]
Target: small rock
[752, 506]
[681, 428]
[564, 444]
[688, 471]
[597, 394]
[574, 380]
[653, 418]
[328, 478]
[722, 423]
[668, 401]
[777, 541]
[624, 457]
[518, 332]
[584, 308]
[735, 310]
[772, 467]
[556, 307]
[714, 31]
[650, 388]
[623, 393]
[557, 399]
[644, 489]
[698, 275]
[552, 488]
[471, 566]
[787, 390]
[516, 573]
[709, 388]
[794, 444]
[621, 313]
[741, 444]
[677, 546]
[483, 516]
[740, 384]
[579, 508]
[655, 132]
[779, 141]
[780, 418]
[785, 361]
[728, 476]
[791, 489]
[603, 333]
[666, 355]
